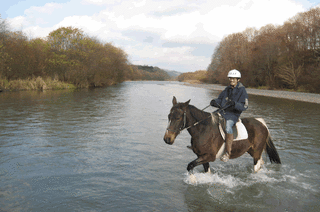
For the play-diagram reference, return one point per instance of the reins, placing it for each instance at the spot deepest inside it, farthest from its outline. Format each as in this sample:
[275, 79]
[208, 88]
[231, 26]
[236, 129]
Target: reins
[195, 124]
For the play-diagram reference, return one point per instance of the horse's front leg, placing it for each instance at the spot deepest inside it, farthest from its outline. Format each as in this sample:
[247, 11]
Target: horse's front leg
[204, 159]
[193, 164]
[206, 167]
[190, 168]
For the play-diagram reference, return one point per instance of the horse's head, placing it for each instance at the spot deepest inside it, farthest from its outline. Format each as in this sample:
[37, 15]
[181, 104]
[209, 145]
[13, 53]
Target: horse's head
[177, 120]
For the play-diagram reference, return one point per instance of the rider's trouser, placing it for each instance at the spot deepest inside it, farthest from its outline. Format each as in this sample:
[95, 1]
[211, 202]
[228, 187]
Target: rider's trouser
[229, 125]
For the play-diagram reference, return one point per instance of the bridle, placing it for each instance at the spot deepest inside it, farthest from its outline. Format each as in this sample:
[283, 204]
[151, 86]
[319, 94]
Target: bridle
[183, 126]
[195, 124]
[185, 122]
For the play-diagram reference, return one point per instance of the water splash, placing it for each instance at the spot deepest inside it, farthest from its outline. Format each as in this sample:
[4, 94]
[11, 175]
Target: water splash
[226, 180]
[237, 188]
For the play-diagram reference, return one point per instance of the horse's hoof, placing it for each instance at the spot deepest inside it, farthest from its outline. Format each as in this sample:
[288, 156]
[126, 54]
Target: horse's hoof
[193, 179]
[225, 157]
[257, 167]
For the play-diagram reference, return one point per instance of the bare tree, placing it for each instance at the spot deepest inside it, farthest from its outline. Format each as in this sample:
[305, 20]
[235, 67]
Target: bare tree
[290, 75]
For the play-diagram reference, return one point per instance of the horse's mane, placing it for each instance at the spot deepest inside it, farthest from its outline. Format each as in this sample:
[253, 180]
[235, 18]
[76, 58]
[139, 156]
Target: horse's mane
[200, 115]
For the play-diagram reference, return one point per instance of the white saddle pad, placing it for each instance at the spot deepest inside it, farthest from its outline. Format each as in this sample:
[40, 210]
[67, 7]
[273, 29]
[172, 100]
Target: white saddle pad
[239, 131]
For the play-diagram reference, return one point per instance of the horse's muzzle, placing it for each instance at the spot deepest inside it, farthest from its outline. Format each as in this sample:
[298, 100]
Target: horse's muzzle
[169, 138]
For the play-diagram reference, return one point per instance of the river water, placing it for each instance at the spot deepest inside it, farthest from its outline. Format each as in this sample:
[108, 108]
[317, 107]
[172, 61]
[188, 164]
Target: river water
[103, 150]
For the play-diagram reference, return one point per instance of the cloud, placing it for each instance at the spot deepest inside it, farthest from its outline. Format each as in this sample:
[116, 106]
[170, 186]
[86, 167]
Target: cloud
[167, 58]
[206, 22]
[99, 2]
[17, 22]
[48, 8]
[89, 24]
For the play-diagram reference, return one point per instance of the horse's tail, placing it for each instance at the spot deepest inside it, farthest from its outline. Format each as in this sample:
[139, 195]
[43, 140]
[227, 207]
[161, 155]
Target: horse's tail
[272, 151]
[270, 148]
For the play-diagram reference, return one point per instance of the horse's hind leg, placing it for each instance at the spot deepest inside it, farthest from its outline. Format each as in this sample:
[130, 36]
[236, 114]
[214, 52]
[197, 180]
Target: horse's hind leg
[257, 159]
[206, 167]
[257, 164]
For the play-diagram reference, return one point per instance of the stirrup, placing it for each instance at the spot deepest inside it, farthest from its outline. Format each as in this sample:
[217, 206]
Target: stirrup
[225, 157]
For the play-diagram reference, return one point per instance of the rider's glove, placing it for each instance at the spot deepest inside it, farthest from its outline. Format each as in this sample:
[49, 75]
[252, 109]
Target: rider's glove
[230, 103]
[213, 103]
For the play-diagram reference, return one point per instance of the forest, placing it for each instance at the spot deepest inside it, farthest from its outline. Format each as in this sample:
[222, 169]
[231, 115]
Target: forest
[273, 57]
[66, 58]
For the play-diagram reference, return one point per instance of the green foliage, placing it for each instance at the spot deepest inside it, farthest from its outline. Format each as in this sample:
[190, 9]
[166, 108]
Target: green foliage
[66, 55]
[65, 38]
[4, 83]
[35, 83]
[285, 57]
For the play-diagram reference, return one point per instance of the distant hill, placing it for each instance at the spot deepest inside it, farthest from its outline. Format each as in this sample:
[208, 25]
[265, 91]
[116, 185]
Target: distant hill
[150, 73]
[173, 74]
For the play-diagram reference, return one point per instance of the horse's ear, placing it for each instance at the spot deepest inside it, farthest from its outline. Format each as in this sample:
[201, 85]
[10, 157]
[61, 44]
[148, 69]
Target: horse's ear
[174, 101]
[187, 102]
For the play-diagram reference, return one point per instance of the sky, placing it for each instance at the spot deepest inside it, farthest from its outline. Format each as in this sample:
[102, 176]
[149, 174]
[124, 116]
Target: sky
[178, 35]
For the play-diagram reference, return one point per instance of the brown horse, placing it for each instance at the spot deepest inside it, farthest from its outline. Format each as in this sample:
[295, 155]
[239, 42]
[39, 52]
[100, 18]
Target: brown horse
[207, 142]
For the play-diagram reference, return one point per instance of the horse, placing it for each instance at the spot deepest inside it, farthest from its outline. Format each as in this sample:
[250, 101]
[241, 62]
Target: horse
[207, 142]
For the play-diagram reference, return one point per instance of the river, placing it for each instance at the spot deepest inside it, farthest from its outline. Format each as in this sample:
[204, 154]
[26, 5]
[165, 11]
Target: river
[103, 150]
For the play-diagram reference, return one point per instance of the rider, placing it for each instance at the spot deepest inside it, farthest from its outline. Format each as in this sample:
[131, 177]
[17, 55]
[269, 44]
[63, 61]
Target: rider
[235, 98]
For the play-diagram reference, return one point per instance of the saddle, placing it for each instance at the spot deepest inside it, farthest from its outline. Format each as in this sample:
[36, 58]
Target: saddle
[239, 130]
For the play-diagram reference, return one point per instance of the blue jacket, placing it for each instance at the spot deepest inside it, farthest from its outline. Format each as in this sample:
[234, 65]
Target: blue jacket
[239, 95]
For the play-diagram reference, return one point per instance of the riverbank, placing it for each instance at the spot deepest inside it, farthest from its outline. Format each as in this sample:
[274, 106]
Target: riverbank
[298, 96]
[34, 83]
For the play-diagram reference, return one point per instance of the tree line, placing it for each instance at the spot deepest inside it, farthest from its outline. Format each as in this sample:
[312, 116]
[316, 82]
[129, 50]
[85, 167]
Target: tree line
[145, 72]
[66, 55]
[199, 76]
[275, 57]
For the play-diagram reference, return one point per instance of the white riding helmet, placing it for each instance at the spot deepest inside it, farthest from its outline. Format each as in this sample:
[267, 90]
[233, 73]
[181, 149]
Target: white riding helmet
[234, 73]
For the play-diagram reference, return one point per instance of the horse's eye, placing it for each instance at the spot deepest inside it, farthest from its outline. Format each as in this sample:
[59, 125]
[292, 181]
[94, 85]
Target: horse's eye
[172, 117]
[176, 117]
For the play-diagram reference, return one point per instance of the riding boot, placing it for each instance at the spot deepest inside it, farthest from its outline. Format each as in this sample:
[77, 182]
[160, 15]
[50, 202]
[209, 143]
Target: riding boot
[229, 140]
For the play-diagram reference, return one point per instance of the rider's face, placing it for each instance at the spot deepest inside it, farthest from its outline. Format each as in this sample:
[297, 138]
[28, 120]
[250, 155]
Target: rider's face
[233, 81]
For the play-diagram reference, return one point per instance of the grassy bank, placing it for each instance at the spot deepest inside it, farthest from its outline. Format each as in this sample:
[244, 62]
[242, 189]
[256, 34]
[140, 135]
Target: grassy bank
[34, 84]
